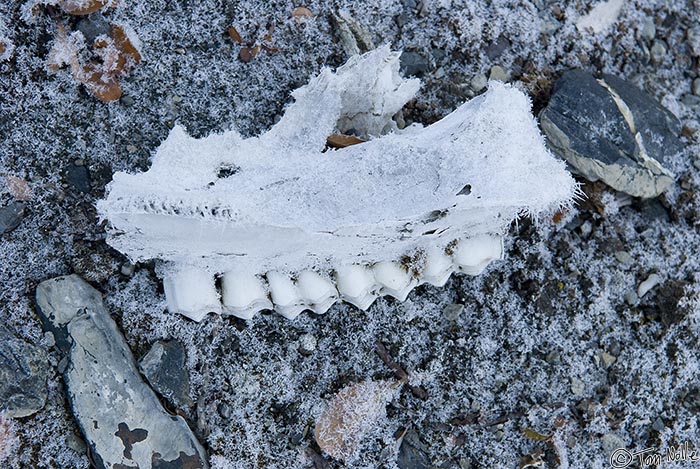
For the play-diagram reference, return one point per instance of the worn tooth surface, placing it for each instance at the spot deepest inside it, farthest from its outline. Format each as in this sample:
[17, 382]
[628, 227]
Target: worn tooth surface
[393, 280]
[472, 255]
[285, 295]
[318, 291]
[243, 295]
[438, 267]
[192, 292]
[356, 285]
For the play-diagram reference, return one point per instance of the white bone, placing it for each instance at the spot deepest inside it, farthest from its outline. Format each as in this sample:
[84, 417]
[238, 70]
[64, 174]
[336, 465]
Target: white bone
[243, 295]
[438, 267]
[356, 285]
[319, 292]
[393, 280]
[472, 255]
[285, 295]
[191, 292]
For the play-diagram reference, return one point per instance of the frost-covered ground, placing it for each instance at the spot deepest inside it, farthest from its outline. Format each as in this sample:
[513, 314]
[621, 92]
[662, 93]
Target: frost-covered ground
[530, 352]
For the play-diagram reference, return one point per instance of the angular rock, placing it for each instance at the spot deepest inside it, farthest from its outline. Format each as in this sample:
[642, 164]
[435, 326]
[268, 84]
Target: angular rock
[164, 368]
[609, 130]
[413, 63]
[23, 373]
[412, 453]
[11, 216]
[121, 418]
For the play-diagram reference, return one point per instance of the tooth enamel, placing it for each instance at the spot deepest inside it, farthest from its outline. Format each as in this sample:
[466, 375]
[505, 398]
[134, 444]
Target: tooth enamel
[438, 267]
[472, 255]
[243, 295]
[356, 285]
[285, 295]
[319, 292]
[393, 280]
[191, 292]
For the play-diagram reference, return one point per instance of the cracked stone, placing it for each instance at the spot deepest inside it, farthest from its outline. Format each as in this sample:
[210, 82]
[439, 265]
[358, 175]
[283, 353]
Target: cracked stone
[164, 368]
[121, 418]
[611, 131]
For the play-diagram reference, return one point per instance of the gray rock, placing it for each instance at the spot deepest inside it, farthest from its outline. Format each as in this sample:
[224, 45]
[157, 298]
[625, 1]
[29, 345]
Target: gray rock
[658, 51]
[479, 82]
[412, 453]
[696, 87]
[693, 35]
[609, 130]
[648, 30]
[611, 442]
[164, 368]
[23, 373]
[78, 176]
[11, 216]
[413, 63]
[496, 49]
[499, 73]
[453, 311]
[121, 418]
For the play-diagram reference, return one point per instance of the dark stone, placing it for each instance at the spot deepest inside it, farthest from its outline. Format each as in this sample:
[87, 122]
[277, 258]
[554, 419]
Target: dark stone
[413, 453]
[11, 216]
[413, 63]
[23, 373]
[164, 368]
[611, 131]
[92, 26]
[78, 177]
[121, 418]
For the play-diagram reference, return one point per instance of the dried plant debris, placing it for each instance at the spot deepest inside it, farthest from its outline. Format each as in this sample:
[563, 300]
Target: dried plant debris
[84, 7]
[342, 140]
[351, 415]
[18, 188]
[110, 57]
[250, 49]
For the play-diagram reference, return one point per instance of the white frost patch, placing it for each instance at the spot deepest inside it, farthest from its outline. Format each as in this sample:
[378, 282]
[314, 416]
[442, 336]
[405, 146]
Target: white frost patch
[601, 17]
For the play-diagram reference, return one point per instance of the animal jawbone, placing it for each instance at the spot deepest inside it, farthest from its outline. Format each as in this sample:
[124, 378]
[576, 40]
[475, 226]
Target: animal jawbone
[284, 223]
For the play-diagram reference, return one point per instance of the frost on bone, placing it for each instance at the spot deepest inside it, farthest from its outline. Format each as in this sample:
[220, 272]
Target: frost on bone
[278, 202]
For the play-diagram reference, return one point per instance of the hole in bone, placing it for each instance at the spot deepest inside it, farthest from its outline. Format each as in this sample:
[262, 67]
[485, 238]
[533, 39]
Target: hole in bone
[466, 190]
[435, 215]
[227, 171]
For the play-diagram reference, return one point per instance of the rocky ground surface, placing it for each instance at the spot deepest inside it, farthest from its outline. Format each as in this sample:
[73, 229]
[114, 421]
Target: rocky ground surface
[584, 339]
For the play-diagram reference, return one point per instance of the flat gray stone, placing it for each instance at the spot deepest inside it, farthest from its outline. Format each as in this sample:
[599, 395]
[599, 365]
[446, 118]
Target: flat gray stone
[412, 453]
[120, 417]
[164, 368]
[609, 130]
[11, 216]
[23, 373]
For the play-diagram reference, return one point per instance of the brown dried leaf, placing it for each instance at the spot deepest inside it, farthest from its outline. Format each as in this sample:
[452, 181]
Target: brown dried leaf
[104, 86]
[233, 33]
[3, 47]
[246, 54]
[302, 12]
[533, 435]
[558, 216]
[18, 188]
[128, 53]
[342, 140]
[81, 7]
[350, 415]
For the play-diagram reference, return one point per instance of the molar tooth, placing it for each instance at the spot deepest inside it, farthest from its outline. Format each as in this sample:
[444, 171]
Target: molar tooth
[285, 295]
[393, 279]
[243, 295]
[356, 285]
[438, 267]
[472, 255]
[192, 292]
[317, 290]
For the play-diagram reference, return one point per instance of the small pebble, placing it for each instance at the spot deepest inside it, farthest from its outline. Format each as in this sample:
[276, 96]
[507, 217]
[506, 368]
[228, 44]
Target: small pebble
[658, 51]
[180, 51]
[696, 87]
[177, 99]
[648, 284]
[128, 269]
[307, 344]
[479, 82]
[49, 339]
[631, 298]
[499, 73]
[623, 257]
[76, 443]
[577, 387]
[658, 425]
[648, 29]
[127, 101]
[586, 228]
[611, 442]
[452, 311]
[224, 410]
[607, 359]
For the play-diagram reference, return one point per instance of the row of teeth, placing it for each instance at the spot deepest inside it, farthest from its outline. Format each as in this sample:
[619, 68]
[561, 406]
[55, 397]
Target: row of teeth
[193, 291]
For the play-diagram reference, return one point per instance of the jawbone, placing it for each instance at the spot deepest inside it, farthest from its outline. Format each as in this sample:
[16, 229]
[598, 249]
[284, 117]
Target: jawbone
[286, 224]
